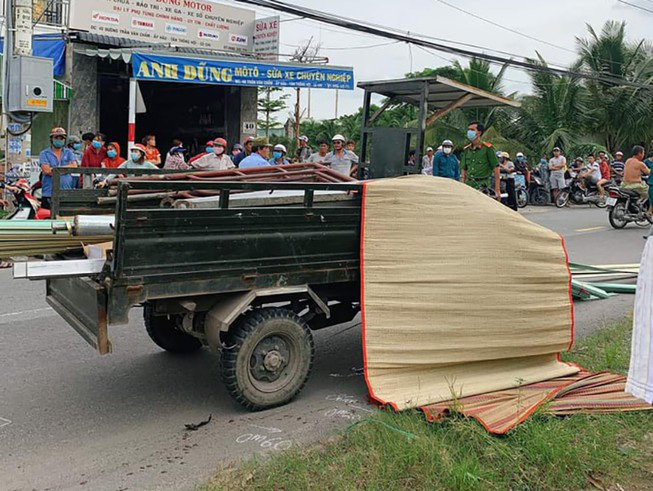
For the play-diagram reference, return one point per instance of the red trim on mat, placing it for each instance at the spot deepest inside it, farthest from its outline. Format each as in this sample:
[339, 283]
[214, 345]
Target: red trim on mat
[571, 295]
[362, 294]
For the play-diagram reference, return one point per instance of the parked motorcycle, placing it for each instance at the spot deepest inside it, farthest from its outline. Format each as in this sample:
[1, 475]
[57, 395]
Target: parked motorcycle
[27, 206]
[521, 191]
[626, 206]
[539, 193]
[579, 196]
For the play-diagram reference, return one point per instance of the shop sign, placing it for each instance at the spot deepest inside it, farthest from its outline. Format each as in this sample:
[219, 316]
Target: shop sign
[196, 23]
[219, 72]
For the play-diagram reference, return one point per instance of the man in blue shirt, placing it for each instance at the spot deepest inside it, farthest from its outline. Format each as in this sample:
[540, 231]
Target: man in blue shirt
[57, 155]
[445, 163]
[259, 158]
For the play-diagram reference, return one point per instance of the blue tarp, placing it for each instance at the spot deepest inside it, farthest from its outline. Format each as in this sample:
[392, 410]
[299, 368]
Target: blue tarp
[223, 72]
[48, 46]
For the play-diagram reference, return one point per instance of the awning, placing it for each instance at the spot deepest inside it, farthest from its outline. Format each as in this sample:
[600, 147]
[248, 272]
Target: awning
[51, 46]
[442, 92]
[62, 92]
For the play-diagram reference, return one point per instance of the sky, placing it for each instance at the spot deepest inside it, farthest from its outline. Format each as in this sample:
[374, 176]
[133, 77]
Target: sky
[555, 21]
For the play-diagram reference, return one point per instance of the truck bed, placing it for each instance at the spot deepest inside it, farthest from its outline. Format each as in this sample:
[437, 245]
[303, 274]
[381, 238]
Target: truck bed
[165, 253]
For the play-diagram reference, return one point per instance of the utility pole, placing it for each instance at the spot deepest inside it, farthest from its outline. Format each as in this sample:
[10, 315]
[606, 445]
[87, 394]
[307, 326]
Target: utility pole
[18, 41]
[337, 93]
[303, 54]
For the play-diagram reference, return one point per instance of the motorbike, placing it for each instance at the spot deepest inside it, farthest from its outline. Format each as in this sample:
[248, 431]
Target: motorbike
[626, 206]
[580, 196]
[27, 206]
[539, 193]
[521, 190]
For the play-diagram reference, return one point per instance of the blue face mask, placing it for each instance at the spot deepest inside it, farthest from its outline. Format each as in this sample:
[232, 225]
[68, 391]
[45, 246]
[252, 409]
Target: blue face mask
[136, 156]
[471, 135]
[77, 146]
[112, 154]
[96, 144]
[277, 155]
[58, 143]
[520, 159]
[208, 149]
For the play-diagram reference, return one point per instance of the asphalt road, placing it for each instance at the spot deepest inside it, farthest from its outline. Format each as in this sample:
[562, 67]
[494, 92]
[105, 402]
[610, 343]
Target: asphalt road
[70, 419]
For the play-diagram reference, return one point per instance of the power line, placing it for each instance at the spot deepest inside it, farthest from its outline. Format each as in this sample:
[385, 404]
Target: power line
[636, 6]
[388, 34]
[496, 24]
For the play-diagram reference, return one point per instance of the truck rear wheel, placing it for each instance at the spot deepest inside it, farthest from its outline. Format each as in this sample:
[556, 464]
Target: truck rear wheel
[267, 358]
[163, 331]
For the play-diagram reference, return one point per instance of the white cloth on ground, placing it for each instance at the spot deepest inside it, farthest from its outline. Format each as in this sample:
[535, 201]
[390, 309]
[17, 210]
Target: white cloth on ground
[640, 374]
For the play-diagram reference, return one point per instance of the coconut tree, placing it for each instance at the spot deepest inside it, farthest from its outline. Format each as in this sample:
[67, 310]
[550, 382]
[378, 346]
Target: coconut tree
[619, 113]
[553, 115]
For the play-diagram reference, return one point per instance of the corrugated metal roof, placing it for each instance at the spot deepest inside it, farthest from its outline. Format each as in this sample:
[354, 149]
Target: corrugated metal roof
[101, 40]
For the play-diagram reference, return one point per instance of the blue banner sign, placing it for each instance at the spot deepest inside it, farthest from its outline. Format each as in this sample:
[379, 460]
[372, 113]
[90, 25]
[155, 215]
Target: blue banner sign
[218, 72]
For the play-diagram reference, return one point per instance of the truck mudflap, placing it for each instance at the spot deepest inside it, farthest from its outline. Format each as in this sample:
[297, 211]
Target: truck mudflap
[82, 302]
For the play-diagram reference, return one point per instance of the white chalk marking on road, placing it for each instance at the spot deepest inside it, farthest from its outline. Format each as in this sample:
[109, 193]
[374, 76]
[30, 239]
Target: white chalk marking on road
[4, 422]
[270, 430]
[11, 314]
[362, 409]
[590, 229]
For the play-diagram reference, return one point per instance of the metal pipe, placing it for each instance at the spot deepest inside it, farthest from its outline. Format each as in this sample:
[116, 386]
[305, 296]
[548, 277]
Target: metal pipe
[85, 225]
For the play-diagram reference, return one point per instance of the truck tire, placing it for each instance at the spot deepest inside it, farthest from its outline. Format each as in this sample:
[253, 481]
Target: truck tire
[267, 358]
[163, 332]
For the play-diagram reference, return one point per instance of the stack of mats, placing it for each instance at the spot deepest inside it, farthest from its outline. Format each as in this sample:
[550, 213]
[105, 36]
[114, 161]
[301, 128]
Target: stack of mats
[584, 392]
[460, 296]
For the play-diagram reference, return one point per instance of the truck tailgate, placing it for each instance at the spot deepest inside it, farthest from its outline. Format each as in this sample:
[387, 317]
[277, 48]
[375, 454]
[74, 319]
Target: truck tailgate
[82, 302]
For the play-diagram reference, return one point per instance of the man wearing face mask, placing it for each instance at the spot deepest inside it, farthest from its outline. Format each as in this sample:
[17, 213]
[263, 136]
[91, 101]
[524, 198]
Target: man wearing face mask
[279, 155]
[479, 162]
[57, 155]
[96, 153]
[75, 144]
[216, 160]
[445, 163]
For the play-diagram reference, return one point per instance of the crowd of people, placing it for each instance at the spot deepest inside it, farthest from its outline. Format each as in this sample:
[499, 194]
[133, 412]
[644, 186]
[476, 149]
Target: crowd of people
[93, 150]
[480, 165]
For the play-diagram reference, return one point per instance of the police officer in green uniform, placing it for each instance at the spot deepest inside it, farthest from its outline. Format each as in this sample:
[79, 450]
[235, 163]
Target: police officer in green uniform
[479, 161]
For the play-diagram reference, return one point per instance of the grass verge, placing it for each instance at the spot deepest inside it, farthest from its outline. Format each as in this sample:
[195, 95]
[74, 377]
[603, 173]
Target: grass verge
[611, 451]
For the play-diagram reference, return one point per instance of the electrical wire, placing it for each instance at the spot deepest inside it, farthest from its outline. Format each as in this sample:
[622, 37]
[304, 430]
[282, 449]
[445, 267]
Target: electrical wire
[388, 34]
[636, 6]
[500, 26]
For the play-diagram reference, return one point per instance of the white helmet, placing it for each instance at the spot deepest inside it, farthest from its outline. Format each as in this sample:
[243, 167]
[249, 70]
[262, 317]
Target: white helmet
[519, 155]
[447, 143]
[281, 147]
[338, 138]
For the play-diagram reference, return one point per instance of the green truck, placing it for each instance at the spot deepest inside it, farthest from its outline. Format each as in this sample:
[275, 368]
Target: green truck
[250, 282]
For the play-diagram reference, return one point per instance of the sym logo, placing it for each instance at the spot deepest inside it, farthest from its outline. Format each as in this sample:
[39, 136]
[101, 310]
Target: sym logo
[238, 39]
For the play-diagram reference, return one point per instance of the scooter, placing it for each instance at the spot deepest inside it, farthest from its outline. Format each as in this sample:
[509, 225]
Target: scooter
[626, 206]
[27, 206]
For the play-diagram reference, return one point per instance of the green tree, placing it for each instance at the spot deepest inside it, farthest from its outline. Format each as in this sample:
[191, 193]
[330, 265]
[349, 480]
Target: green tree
[619, 115]
[268, 106]
[553, 115]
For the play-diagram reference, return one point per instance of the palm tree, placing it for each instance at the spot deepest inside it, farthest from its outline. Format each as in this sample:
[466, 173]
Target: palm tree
[619, 113]
[553, 115]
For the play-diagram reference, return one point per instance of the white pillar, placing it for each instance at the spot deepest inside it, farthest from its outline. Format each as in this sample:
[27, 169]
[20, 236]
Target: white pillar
[131, 122]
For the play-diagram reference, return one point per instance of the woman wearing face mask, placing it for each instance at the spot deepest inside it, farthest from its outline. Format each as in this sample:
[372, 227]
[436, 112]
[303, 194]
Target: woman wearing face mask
[96, 153]
[279, 155]
[217, 159]
[445, 163]
[137, 159]
[113, 160]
